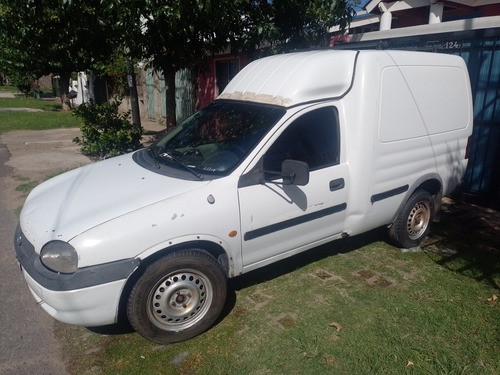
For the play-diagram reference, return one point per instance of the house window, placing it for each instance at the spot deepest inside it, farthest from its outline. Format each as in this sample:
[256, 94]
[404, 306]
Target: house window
[225, 70]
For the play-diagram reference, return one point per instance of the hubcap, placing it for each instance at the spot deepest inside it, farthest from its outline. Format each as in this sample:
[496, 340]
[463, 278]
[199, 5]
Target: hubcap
[418, 220]
[180, 300]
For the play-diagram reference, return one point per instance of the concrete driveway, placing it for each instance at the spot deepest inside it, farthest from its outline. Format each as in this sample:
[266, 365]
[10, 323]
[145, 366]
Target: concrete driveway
[6, 94]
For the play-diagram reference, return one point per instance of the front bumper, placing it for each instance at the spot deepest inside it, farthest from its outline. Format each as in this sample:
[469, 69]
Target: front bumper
[89, 307]
[88, 297]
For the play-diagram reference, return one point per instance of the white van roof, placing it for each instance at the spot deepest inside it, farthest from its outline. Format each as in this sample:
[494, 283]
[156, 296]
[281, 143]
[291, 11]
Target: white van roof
[302, 77]
[293, 78]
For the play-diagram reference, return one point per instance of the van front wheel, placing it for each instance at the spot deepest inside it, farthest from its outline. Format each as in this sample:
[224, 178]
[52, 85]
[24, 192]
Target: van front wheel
[414, 219]
[178, 297]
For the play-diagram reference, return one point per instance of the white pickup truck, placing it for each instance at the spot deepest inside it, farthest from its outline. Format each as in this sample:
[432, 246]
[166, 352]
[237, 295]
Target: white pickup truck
[300, 149]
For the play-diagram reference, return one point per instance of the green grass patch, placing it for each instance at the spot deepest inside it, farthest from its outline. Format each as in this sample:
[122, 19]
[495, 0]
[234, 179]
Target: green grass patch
[9, 89]
[36, 120]
[21, 102]
[49, 115]
[27, 187]
[356, 306]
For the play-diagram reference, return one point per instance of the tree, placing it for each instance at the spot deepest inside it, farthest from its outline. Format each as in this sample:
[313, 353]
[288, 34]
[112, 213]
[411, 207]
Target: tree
[177, 34]
[40, 37]
[285, 25]
[180, 33]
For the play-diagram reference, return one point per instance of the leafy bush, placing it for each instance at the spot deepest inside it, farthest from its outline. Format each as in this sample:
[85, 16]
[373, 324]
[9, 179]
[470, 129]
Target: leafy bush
[23, 82]
[105, 132]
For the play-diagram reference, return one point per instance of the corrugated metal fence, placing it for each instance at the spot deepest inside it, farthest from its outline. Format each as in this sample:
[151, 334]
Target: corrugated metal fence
[483, 60]
[184, 94]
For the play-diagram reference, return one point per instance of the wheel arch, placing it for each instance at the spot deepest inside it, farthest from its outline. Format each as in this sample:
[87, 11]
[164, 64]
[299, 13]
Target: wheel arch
[433, 185]
[211, 248]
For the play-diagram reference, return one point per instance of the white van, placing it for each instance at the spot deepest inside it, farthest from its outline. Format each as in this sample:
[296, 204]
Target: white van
[300, 149]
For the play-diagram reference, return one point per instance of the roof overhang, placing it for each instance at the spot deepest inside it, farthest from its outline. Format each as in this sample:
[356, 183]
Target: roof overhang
[438, 28]
[374, 5]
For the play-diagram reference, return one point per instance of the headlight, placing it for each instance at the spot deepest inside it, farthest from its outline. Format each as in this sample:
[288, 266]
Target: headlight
[59, 256]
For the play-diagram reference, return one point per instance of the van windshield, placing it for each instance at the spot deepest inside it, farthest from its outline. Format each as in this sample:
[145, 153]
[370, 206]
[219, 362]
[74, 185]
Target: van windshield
[216, 139]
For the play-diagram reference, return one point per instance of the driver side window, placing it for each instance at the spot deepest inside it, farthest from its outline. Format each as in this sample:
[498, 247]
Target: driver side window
[312, 138]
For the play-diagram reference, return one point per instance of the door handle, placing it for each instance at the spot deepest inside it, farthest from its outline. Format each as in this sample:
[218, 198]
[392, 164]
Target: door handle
[337, 184]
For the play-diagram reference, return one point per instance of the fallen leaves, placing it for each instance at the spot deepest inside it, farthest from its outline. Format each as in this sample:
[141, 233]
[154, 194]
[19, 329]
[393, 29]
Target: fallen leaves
[493, 298]
[337, 326]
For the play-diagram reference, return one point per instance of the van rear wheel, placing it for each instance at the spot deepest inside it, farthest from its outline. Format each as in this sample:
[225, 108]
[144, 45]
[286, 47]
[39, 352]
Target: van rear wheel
[178, 297]
[414, 219]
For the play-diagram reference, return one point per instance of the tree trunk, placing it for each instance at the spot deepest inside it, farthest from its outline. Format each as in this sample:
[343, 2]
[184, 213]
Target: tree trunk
[134, 101]
[64, 87]
[170, 97]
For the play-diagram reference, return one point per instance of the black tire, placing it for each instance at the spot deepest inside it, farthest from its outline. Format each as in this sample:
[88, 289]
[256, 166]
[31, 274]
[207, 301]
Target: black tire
[178, 297]
[414, 220]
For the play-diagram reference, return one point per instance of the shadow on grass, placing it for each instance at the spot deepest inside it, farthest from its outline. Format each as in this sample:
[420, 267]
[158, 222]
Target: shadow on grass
[467, 241]
[295, 262]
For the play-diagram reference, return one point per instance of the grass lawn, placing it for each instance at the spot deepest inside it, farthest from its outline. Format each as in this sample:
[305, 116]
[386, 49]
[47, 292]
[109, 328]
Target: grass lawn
[9, 89]
[356, 306]
[22, 102]
[51, 116]
[36, 120]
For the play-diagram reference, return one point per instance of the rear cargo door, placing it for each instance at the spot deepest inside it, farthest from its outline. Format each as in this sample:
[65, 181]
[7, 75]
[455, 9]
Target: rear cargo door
[278, 219]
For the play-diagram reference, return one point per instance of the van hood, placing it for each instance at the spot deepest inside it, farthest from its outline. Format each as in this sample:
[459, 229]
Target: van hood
[76, 201]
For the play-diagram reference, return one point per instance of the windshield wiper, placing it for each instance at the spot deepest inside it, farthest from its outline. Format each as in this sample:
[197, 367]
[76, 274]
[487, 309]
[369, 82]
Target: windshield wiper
[152, 153]
[168, 155]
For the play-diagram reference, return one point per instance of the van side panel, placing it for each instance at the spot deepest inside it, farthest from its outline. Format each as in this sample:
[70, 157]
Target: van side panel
[402, 150]
[445, 106]
[441, 96]
[422, 120]
[428, 101]
[399, 117]
[441, 90]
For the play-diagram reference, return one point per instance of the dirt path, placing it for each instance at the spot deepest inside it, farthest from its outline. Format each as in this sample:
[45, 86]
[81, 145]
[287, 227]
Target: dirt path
[28, 344]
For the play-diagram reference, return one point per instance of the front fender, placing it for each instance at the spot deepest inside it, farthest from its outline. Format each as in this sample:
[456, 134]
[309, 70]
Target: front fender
[215, 246]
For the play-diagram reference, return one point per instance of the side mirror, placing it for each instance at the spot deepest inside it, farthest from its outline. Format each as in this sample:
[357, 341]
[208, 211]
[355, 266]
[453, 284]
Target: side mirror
[295, 172]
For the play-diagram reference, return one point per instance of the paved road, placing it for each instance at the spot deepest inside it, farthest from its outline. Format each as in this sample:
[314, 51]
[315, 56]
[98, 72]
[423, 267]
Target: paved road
[28, 345]
[6, 94]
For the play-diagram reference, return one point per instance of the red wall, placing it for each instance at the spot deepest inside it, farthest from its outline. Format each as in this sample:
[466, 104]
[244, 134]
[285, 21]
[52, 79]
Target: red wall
[206, 77]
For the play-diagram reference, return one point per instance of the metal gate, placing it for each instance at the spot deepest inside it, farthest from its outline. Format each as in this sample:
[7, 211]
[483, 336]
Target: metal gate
[483, 60]
[150, 90]
[185, 101]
